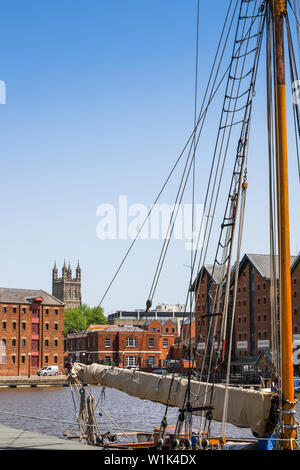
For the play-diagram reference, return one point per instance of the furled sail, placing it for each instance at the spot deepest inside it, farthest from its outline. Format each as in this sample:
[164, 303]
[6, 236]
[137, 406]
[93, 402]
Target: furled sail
[246, 408]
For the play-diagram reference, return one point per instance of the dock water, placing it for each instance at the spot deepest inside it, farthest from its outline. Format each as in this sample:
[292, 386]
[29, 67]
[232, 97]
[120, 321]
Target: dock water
[18, 439]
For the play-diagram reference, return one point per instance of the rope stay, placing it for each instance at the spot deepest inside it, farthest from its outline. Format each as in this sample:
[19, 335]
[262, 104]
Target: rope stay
[230, 211]
[235, 122]
[211, 90]
[295, 83]
[236, 76]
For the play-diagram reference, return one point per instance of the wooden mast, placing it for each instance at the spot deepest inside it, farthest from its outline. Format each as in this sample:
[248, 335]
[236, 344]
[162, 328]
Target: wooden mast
[278, 8]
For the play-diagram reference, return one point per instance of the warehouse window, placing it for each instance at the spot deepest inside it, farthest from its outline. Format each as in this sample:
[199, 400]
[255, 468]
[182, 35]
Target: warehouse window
[3, 351]
[151, 360]
[131, 361]
[131, 342]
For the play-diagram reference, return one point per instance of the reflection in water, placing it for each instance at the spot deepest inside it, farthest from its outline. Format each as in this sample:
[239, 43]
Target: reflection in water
[54, 408]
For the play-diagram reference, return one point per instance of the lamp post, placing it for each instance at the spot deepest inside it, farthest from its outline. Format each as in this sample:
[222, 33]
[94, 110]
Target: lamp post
[29, 357]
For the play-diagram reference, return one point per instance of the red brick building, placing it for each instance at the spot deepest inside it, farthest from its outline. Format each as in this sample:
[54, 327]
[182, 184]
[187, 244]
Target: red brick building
[252, 323]
[122, 346]
[32, 327]
[253, 305]
[295, 279]
[179, 353]
[167, 327]
[188, 328]
[206, 304]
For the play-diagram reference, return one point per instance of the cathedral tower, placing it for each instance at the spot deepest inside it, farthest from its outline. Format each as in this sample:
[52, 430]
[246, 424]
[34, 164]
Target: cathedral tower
[66, 288]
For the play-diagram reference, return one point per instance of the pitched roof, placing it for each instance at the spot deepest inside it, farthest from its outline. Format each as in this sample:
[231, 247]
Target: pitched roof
[98, 327]
[161, 322]
[262, 263]
[215, 272]
[116, 328]
[151, 321]
[24, 296]
[296, 261]
[110, 328]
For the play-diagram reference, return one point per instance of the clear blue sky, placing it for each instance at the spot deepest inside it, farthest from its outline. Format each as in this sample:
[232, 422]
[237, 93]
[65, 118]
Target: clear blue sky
[99, 104]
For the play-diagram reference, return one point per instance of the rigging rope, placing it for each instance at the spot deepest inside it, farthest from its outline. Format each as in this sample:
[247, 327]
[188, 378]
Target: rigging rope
[218, 168]
[202, 258]
[240, 234]
[272, 200]
[222, 263]
[201, 118]
[295, 89]
[233, 78]
[221, 282]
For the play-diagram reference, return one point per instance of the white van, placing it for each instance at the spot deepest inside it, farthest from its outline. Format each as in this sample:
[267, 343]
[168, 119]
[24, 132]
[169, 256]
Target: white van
[48, 370]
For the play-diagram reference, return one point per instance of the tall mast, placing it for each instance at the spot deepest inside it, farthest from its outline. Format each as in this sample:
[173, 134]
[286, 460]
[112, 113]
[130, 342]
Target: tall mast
[278, 8]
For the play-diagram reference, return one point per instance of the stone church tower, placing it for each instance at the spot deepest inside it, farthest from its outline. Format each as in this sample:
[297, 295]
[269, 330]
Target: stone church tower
[66, 288]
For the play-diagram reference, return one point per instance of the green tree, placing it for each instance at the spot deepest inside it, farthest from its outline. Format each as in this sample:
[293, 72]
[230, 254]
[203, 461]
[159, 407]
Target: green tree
[79, 318]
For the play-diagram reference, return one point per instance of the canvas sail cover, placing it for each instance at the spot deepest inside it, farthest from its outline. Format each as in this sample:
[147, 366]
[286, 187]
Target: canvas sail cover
[246, 408]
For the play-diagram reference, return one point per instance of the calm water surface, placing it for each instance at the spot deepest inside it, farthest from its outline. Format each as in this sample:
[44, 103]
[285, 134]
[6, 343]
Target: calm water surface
[54, 408]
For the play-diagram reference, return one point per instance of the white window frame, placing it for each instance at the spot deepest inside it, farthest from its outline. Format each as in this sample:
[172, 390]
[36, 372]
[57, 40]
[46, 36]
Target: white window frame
[108, 360]
[131, 342]
[131, 361]
[151, 360]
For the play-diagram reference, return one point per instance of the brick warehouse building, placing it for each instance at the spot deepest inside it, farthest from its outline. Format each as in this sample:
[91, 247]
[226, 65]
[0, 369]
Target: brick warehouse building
[121, 346]
[205, 291]
[253, 305]
[252, 325]
[32, 327]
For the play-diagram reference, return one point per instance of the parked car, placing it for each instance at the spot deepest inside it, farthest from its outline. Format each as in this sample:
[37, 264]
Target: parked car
[48, 370]
[160, 371]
